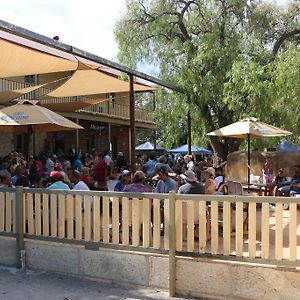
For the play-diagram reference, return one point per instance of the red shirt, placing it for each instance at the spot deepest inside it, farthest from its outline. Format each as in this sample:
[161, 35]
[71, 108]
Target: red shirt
[100, 171]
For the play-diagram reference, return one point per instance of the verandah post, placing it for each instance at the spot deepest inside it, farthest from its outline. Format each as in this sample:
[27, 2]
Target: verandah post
[172, 244]
[19, 225]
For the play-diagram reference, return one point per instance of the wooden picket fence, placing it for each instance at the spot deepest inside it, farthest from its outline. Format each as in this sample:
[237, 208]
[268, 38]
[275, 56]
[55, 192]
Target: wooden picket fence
[188, 223]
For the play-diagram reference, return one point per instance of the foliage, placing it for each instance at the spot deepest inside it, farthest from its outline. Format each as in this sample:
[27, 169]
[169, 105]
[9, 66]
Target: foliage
[231, 59]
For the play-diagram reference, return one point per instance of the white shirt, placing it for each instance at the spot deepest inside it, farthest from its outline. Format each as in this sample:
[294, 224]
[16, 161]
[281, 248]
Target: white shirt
[81, 186]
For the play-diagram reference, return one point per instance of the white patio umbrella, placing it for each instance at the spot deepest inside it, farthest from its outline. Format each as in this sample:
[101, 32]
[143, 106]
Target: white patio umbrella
[249, 128]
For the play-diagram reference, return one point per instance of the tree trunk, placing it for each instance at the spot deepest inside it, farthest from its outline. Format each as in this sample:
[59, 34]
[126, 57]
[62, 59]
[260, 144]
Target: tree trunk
[222, 149]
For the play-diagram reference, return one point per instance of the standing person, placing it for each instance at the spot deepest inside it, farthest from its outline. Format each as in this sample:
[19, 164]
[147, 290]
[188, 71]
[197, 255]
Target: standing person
[150, 165]
[267, 170]
[165, 183]
[161, 163]
[101, 171]
[121, 161]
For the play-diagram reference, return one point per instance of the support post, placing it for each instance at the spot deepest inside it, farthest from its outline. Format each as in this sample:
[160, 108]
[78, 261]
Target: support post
[109, 138]
[132, 123]
[172, 245]
[20, 225]
[77, 138]
[189, 125]
[248, 163]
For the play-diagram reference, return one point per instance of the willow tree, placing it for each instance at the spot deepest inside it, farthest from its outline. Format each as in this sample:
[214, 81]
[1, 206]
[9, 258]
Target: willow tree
[207, 47]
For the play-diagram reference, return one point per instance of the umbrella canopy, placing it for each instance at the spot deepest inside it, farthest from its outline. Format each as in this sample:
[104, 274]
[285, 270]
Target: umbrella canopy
[147, 146]
[27, 114]
[286, 146]
[249, 128]
[184, 149]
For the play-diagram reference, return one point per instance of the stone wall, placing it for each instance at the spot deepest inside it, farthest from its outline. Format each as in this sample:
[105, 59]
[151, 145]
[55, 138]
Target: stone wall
[7, 143]
[236, 168]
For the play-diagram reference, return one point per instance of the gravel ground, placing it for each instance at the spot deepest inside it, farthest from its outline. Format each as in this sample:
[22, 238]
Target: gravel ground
[36, 285]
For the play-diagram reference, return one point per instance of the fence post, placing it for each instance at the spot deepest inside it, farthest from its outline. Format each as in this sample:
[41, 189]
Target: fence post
[19, 226]
[172, 245]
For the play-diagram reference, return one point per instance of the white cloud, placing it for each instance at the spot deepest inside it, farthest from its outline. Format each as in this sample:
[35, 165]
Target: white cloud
[87, 25]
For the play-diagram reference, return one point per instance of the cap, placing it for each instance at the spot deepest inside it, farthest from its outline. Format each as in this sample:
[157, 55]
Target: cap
[125, 172]
[55, 174]
[140, 174]
[189, 176]
[210, 170]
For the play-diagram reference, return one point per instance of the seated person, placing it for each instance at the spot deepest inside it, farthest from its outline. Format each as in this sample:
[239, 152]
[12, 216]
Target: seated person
[165, 183]
[192, 186]
[124, 180]
[210, 184]
[294, 187]
[56, 180]
[280, 181]
[219, 177]
[137, 185]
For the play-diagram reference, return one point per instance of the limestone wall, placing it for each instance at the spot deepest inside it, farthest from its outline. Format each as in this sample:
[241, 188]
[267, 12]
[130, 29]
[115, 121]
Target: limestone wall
[236, 168]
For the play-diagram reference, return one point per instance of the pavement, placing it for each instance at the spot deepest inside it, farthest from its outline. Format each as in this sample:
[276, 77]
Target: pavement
[36, 285]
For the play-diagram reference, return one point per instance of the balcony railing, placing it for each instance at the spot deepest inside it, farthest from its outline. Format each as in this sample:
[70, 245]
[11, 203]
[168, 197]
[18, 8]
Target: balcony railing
[107, 108]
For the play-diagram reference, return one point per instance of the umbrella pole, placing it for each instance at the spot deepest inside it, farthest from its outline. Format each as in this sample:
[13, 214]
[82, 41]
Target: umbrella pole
[248, 166]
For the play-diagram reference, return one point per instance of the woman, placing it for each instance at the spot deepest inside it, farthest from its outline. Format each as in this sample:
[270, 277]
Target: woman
[210, 185]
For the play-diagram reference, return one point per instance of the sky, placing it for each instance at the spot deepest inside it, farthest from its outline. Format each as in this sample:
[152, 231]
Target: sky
[85, 24]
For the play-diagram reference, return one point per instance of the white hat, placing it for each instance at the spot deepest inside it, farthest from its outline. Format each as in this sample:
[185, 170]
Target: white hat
[189, 176]
[210, 170]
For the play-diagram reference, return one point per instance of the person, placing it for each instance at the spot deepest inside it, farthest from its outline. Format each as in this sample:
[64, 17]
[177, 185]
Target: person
[150, 165]
[56, 181]
[137, 185]
[267, 170]
[294, 186]
[219, 178]
[77, 163]
[210, 184]
[101, 171]
[165, 183]
[86, 177]
[189, 162]
[5, 179]
[121, 161]
[192, 186]
[123, 180]
[161, 163]
[79, 185]
[280, 181]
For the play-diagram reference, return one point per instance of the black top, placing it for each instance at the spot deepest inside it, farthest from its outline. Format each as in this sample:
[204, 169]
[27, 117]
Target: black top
[192, 188]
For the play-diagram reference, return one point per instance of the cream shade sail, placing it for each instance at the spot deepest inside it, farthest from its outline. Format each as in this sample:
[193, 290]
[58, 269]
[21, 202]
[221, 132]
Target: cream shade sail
[88, 81]
[20, 60]
[71, 105]
[28, 114]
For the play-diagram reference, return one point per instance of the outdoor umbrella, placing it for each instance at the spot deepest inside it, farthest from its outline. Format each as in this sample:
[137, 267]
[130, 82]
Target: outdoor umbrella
[147, 146]
[184, 149]
[249, 128]
[28, 116]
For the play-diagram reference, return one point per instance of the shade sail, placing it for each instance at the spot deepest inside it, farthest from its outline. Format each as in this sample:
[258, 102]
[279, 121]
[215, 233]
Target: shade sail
[286, 146]
[23, 57]
[89, 81]
[249, 126]
[29, 113]
[185, 149]
[147, 146]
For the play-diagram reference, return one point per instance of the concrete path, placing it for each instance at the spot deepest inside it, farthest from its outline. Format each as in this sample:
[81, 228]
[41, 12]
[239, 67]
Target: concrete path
[34, 285]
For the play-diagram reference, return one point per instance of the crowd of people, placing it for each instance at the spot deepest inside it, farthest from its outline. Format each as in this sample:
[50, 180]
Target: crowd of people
[97, 171]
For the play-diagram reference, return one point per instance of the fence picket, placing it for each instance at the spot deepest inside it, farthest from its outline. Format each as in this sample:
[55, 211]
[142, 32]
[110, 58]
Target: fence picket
[265, 232]
[214, 227]
[29, 213]
[202, 226]
[252, 229]
[96, 219]
[53, 203]
[135, 222]
[37, 210]
[293, 231]
[78, 217]
[146, 222]
[239, 217]
[87, 217]
[2, 212]
[125, 221]
[105, 219]
[226, 227]
[166, 224]
[115, 220]
[278, 232]
[178, 225]
[45, 215]
[190, 226]
[70, 216]
[61, 215]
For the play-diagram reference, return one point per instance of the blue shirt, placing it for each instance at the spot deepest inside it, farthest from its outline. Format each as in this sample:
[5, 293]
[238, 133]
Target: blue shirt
[150, 167]
[119, 186]
[58, 185]
[166, 186]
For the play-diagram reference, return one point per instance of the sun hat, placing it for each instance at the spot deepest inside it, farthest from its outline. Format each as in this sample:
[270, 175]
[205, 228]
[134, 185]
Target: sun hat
[210, 170]
[139, 174]
[125, 172]
[189, 176]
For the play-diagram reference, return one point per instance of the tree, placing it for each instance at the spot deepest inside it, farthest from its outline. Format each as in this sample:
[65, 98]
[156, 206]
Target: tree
[223, 54]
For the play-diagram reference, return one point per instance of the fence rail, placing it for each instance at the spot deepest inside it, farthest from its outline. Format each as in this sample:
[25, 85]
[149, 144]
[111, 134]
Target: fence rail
[238, 226]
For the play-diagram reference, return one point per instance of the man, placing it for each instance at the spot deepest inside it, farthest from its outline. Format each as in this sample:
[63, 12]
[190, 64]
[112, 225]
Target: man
[5, 179]
[294, 187]
[161, 163]
[219, 178]
[56, 181]
[192, 186]
[101, 171]
[165, 183]
[78, 184]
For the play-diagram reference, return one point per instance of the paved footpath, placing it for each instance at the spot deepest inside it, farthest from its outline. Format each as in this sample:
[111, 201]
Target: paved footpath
[36, 285]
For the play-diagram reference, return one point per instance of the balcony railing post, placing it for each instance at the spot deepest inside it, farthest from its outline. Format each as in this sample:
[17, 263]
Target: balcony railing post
[20, 226]
[172, 245]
